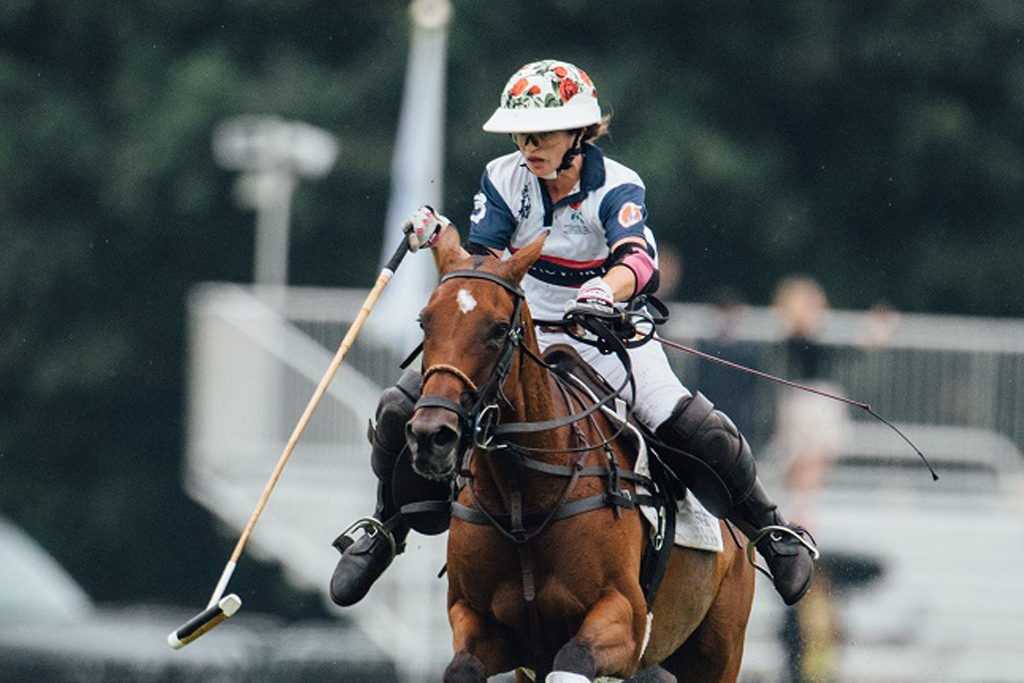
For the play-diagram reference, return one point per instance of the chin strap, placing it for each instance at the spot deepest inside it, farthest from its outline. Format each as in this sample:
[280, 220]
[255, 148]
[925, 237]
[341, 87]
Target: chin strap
[570, 154]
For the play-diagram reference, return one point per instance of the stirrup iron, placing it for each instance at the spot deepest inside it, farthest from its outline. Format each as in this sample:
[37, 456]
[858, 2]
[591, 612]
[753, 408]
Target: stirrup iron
[371, 526]
[778, 529]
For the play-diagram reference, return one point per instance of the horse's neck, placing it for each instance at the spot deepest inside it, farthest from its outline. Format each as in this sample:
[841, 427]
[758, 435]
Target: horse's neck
[533, 402]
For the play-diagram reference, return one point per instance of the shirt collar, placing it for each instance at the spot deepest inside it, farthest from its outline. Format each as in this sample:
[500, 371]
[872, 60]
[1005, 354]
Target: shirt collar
[592, 175]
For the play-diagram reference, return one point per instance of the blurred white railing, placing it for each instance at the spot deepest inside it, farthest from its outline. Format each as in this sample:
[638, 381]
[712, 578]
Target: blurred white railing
[256, 357]
[954, 385]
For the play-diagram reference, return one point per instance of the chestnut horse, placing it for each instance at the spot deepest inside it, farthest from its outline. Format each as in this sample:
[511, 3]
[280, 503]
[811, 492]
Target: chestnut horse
[540, 580]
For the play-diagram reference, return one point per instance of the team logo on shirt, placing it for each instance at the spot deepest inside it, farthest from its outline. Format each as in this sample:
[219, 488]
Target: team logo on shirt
[479, 207]
[630, 214]
[575, 225]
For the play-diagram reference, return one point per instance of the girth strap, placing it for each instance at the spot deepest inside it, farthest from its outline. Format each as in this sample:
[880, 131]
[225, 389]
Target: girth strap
[597, 471]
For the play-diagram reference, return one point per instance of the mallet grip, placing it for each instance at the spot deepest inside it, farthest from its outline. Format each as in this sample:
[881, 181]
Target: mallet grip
[204, 621]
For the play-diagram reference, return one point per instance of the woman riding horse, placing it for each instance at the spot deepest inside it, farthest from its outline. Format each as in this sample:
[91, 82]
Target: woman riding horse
[599, 253]
[550, 568]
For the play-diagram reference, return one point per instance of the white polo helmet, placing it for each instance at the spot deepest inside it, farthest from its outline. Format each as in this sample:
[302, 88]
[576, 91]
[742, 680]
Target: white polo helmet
[545, 96]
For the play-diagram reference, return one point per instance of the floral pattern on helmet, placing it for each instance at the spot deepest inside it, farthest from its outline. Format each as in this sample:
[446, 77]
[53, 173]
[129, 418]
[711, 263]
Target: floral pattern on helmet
[546, 84]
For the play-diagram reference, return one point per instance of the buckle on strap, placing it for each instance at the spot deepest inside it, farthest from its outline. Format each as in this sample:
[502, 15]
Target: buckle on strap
[482, 425]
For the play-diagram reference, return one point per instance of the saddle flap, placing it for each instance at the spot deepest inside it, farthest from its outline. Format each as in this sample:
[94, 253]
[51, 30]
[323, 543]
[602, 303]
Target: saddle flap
[567, 361]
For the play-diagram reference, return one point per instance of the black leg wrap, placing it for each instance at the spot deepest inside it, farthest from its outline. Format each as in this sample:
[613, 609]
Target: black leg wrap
[708, 453]
[364, 559]
[395, 409]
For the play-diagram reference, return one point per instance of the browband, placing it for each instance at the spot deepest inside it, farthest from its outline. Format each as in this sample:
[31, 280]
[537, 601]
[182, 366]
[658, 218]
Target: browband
[511, 287]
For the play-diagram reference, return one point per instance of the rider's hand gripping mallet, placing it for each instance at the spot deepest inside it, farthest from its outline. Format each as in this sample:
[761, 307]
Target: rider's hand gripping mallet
[221, 607]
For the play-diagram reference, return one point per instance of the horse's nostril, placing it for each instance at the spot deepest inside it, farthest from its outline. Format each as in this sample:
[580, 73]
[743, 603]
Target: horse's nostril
[431, 439]
[443, 439]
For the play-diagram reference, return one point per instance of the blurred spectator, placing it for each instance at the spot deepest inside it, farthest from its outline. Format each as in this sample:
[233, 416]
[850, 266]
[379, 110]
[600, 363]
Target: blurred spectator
[880, 325]
[810, 433]
[810, 430]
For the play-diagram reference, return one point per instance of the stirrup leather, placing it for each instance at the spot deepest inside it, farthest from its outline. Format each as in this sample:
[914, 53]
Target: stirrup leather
[371, 526]
[774, 529]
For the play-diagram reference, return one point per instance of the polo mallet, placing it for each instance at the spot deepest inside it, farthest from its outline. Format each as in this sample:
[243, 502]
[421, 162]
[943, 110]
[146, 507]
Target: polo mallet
[221, 607]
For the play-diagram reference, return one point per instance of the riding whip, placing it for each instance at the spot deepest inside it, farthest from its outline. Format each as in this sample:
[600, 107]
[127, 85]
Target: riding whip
[220, 606]
[802, 387]
[626, 327]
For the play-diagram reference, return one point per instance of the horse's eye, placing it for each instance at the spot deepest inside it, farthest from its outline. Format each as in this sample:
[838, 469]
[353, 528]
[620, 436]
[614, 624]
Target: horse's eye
[500, 331]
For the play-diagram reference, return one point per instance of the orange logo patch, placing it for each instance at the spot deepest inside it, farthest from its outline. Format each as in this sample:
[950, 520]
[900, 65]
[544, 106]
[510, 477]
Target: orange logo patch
[630, 214]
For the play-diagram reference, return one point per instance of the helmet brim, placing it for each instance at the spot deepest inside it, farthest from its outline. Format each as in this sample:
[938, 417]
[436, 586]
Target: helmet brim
[530, 120]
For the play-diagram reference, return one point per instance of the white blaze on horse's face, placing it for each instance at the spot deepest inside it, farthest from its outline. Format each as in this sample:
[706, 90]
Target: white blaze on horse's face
[465, 300]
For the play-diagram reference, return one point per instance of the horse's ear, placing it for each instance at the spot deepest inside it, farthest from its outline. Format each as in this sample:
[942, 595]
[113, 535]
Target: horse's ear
[448, 250]
[524, 258]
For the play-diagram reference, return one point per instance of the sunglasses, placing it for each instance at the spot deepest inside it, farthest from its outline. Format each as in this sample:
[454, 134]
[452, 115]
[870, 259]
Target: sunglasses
[535, 139]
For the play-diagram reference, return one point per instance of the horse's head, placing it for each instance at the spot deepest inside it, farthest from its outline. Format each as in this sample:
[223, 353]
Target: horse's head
[471, 328]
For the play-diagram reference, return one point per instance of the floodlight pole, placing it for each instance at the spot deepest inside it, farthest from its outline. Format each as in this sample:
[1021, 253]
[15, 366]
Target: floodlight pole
[272, 154]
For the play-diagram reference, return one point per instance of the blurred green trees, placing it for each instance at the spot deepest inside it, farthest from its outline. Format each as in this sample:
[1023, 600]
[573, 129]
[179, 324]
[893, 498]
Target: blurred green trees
[875, 145]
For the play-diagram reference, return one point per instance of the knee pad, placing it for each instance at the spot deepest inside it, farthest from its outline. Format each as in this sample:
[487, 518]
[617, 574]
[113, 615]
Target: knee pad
[714, 460]
[395, 409]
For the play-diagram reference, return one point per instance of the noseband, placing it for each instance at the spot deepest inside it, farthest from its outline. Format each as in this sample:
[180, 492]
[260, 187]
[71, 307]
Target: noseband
[484, 410]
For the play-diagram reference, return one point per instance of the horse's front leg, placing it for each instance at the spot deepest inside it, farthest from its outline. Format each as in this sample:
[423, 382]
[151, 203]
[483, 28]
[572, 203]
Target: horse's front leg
[479, 650]
[608, 642]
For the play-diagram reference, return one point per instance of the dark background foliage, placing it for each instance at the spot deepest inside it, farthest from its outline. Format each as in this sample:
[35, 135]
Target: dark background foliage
[876, 145]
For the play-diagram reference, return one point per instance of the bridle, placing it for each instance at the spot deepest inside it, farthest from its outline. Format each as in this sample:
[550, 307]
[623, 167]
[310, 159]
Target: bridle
[478, 424]
[484, 410]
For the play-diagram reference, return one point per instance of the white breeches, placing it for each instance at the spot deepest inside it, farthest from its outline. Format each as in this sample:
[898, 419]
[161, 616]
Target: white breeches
[657, 387]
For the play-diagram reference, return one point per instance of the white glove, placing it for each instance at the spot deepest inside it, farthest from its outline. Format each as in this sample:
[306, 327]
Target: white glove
[424, 228]
[594, 297]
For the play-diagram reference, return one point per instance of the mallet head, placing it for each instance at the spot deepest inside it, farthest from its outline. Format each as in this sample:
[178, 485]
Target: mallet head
[204, 621]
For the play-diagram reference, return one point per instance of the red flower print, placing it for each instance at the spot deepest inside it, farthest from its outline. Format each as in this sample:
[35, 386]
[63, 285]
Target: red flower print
[519, 87]
[561, 71]
[586, 79]
[535, 90]
[567, 88]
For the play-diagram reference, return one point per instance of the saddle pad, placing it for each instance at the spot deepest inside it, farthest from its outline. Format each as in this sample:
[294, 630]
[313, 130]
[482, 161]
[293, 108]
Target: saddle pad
[695, 526]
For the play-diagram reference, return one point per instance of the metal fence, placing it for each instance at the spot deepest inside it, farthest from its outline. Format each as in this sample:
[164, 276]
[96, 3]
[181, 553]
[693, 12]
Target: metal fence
[954, 385]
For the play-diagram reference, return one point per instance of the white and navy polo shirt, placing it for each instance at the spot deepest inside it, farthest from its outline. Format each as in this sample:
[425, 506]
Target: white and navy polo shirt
[512, 209]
